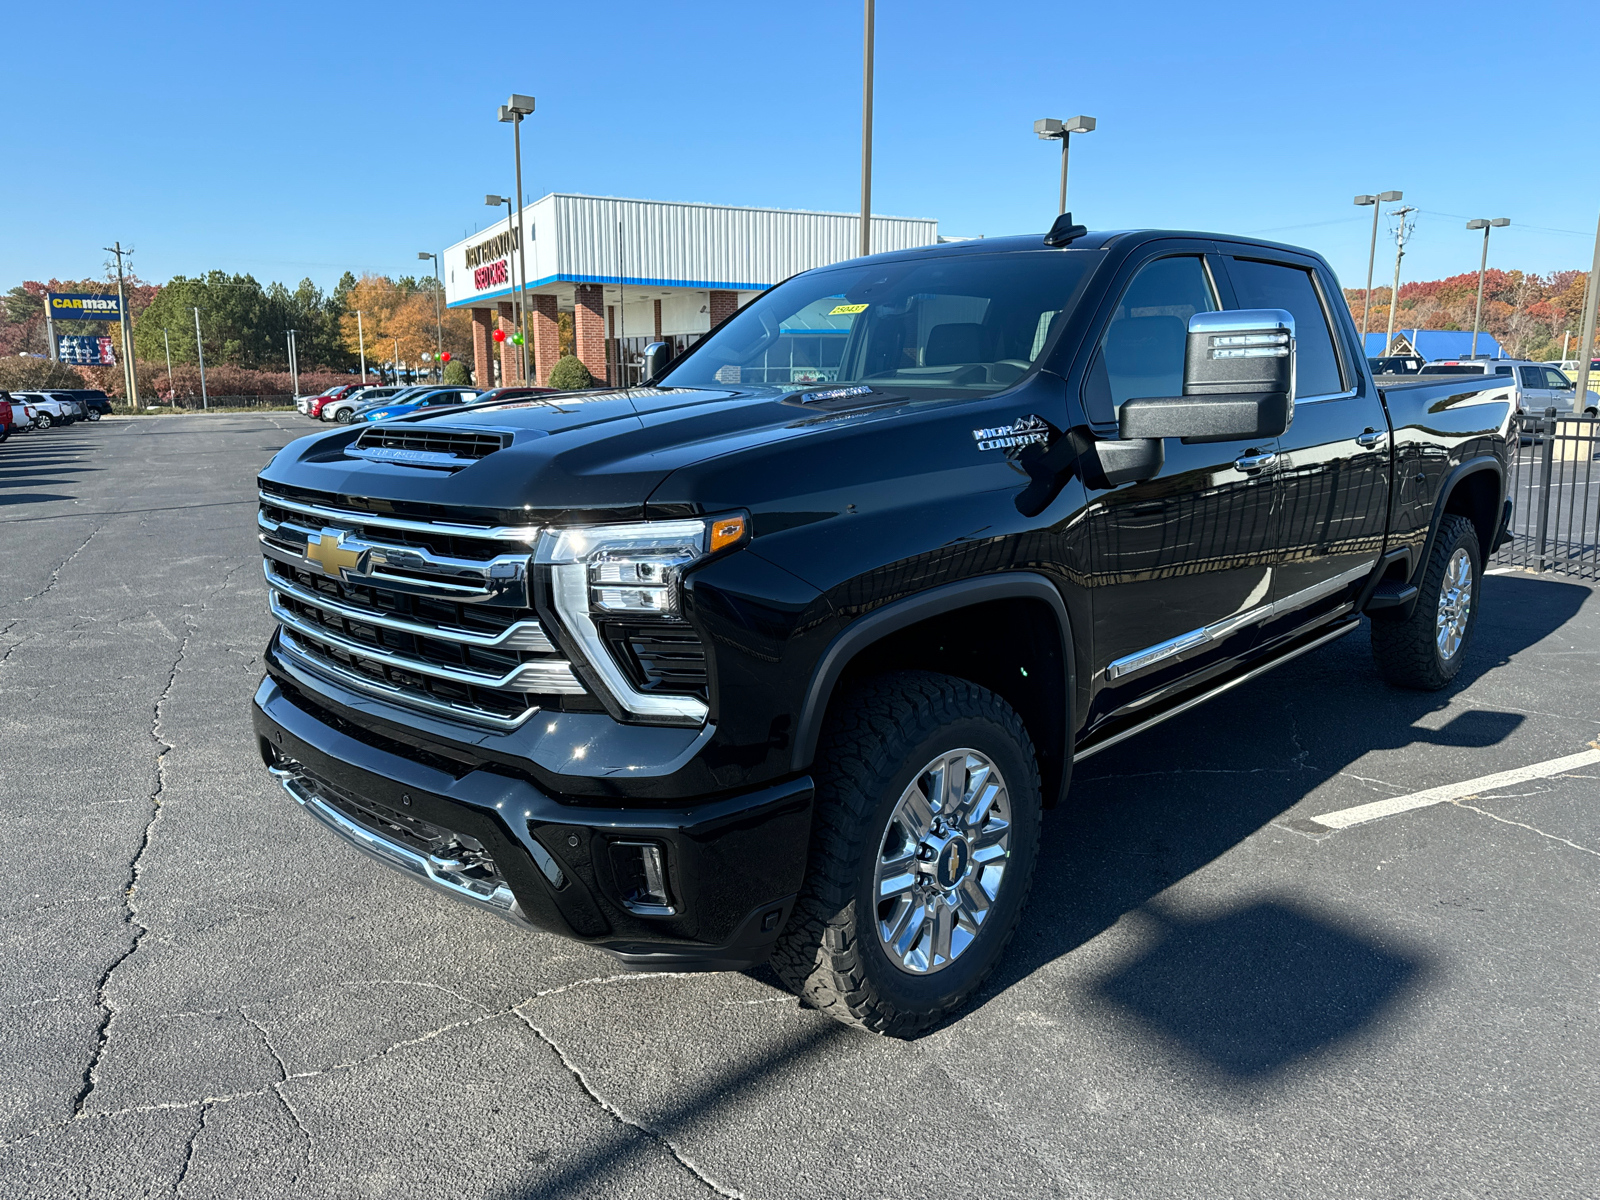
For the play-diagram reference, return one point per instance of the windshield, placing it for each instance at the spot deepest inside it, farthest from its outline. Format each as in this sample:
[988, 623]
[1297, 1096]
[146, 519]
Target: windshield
[1455, 369]
[965, 324]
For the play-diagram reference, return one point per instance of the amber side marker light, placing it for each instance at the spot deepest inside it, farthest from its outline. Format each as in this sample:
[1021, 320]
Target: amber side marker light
[726, 531]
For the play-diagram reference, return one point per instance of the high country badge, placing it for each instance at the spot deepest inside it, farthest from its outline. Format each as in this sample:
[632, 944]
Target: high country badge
[1025, 431]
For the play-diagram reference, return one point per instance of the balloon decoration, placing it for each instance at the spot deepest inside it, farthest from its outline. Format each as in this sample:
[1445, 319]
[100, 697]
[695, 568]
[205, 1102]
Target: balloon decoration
[499, 335]
[516, 339]
[445, 357]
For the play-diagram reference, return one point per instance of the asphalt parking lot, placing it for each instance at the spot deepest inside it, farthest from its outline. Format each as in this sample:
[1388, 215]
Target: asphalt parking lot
[205, 994]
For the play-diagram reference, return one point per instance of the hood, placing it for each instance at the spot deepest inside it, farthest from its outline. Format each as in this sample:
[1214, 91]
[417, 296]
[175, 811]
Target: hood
[574, 456]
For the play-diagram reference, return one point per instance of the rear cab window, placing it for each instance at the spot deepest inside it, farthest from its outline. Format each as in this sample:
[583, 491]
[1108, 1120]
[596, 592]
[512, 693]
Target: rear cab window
[1258, 283]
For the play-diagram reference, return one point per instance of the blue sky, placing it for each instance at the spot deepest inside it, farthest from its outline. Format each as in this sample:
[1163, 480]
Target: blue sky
[304, 139]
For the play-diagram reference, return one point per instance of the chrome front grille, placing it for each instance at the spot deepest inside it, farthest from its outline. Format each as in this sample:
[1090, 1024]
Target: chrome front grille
[430, 614]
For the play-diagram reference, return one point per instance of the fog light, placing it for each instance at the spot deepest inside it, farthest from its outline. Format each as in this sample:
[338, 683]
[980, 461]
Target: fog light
[641, 871]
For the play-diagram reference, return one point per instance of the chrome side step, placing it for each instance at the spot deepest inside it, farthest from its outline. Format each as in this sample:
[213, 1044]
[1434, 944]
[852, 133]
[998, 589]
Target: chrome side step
[1083, 752]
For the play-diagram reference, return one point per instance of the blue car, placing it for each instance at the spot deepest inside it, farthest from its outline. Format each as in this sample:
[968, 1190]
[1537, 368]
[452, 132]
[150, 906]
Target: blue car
[434, 399]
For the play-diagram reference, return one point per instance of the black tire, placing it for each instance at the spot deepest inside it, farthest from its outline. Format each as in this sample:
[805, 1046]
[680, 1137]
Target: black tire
[94, 414]
[343, 416]
[1407, 650]
[878, 740]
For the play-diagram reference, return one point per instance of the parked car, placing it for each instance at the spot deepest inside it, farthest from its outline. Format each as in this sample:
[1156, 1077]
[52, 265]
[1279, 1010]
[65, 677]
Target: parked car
[385, 410]
[76, 408]
[95, 402]
[1535, 386]
[7, 414]
[1395, 365]
[48, 410]
[512, 393]
[338, 392]
[752, 668]
[342, 409]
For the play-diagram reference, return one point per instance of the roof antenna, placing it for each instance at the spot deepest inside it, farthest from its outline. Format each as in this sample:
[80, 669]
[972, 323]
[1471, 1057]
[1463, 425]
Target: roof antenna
[1064, 231]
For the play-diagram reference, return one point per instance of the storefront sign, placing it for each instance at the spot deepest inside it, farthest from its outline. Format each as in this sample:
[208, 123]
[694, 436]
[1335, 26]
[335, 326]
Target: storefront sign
[65, 307]
[494, 275]
[86, 351]
[500, 245]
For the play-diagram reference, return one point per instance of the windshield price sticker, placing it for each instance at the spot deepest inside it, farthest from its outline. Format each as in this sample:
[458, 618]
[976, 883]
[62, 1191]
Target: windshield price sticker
[846, 310]
[1026, 431]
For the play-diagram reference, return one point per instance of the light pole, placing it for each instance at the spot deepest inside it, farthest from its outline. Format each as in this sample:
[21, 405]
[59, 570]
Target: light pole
[1372, 252]
[1586, 332]
[294, 366]
[1399, 253]
[361, 340]
[516, 306]
[172, 388]
[397, 362]
[1050, 129]
[513, 110]
[869, 19]
[200, 353]
[438, 313]
[1483, 262]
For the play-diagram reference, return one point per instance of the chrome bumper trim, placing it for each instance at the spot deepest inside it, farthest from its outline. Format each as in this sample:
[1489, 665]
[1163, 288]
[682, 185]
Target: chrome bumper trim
[524, 535]
[436, 873]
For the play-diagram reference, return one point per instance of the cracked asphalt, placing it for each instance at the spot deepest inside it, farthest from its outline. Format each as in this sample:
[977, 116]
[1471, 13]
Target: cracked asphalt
[204, 994]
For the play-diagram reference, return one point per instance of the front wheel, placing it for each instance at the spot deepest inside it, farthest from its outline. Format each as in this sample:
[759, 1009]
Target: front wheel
[45, 421]
[94, 414]
[343, 416]
[1425, 650]
[923, 848]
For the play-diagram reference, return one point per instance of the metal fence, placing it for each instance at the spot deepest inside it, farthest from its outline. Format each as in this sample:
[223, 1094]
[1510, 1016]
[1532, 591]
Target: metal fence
[1556, 490]
[194, 403]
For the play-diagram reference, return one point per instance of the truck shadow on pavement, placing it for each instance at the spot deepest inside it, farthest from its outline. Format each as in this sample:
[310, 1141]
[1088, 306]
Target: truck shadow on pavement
[49, 464]
[1251, 990]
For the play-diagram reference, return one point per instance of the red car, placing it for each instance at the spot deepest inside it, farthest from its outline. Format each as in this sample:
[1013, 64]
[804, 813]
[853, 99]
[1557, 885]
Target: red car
[5, 416]
[314, 409]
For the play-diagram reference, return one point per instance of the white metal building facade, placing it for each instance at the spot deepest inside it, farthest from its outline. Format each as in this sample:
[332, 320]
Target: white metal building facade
[635, 271]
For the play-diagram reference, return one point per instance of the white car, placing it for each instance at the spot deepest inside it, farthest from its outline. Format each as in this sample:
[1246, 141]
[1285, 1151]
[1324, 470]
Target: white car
[1535, 386]
[47, 409]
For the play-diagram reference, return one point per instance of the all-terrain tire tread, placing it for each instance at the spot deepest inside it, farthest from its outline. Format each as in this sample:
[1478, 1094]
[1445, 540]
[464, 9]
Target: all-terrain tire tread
[866, 740]
[1404, 650]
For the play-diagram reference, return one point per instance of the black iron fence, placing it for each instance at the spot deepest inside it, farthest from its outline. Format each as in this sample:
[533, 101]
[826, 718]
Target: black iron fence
[1556, 490]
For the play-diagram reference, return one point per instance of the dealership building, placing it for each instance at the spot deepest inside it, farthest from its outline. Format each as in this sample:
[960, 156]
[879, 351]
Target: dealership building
[632, 272]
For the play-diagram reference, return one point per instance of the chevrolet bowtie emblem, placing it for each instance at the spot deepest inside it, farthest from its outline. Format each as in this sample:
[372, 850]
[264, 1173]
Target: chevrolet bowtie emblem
[329, 552]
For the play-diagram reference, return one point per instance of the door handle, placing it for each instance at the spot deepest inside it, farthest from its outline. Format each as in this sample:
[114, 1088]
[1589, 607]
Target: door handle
[1251, 463]
[1370, 438]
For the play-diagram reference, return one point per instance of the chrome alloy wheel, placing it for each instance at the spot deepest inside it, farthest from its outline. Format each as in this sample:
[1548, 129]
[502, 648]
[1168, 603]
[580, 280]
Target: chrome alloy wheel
[1455, 604]
[941, 860]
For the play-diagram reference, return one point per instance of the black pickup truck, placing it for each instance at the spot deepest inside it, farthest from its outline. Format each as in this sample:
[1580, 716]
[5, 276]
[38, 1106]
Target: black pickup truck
[781, 656]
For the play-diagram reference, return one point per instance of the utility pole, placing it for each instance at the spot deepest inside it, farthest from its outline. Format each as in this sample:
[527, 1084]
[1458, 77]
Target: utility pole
[1372, 252]
[438, 313]
[171, 387]
[1399, 253]
[361, 340]
[130, 374]
[200, 352]
[397, 362]
[1586, 342]
[866, 131]
[54, 353]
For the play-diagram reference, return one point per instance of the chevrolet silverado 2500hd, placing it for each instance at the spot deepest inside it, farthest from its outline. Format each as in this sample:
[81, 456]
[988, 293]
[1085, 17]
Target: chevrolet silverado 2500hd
[781, 656]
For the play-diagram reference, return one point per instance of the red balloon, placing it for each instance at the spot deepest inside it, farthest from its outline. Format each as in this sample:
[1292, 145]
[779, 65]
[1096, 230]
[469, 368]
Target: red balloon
[499, 335]
[445, 357]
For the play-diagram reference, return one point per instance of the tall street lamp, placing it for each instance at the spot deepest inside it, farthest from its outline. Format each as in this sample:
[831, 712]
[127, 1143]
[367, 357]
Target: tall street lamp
[516, 301]
[438, 313]
[513, 110]
[1372, 251]
[867, 36]
[1050, 129]
[1483, 262]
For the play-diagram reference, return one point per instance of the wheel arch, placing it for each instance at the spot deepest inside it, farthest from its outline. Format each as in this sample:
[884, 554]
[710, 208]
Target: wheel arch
[1015, 638]
[1474, 489]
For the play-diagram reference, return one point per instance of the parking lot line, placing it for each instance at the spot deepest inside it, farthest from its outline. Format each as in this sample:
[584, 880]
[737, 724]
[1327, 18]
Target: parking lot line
[1361, 813]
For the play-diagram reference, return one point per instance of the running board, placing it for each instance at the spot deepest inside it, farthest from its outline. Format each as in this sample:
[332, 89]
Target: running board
[1094, 747]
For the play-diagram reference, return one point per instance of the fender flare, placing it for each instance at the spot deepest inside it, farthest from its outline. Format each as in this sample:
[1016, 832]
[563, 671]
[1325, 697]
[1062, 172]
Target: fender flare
[881, 622]
[1472, 466]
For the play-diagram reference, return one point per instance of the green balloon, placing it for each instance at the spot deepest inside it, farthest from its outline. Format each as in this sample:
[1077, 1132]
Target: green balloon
[516, 339]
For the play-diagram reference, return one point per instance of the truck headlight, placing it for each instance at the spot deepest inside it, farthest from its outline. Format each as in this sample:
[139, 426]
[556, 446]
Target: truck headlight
[632, 571]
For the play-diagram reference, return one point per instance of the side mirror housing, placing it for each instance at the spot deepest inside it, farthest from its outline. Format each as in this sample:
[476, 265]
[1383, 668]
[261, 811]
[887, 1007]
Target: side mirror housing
[657, 355]
[1238, 382]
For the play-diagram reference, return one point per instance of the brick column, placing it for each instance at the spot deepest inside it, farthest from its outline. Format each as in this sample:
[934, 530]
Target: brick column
[723, 305]
[546, 338]
[509, 364]
[589, 328]
[482, 372]
[658, 322]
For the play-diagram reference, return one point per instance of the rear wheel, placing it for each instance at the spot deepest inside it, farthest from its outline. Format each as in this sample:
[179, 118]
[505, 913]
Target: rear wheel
[343, 416]
[926, 833]
[94, 414]
[1425, 650]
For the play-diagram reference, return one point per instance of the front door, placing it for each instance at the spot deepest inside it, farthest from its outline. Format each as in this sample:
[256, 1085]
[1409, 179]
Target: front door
[1181, 563]
[1334, 468]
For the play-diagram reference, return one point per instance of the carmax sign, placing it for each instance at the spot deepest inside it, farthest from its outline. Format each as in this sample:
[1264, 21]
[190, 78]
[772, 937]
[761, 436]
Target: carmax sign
[82, 308]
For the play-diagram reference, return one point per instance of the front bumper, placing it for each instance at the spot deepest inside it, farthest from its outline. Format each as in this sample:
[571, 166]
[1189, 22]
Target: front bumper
[734, 864]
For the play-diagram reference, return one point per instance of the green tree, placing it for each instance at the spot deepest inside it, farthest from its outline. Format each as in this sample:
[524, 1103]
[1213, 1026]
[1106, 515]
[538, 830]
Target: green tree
[569, 374]
[456, 373]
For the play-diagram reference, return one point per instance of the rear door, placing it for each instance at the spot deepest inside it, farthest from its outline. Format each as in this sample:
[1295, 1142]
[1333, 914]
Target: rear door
[1334, 466]
[1182, 563]
[1534, 394]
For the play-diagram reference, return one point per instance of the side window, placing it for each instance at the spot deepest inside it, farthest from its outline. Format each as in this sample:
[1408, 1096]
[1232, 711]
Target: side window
[1531, 377]
[1555, 379]
[1142, 351]
[1273, 285]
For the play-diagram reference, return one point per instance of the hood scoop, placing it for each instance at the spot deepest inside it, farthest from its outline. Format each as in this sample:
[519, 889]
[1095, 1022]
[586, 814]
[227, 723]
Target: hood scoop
[427, 446]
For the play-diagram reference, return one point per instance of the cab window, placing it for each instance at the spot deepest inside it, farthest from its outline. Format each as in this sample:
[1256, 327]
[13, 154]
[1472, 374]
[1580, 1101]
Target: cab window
[1278, 285]
[1142, 351]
